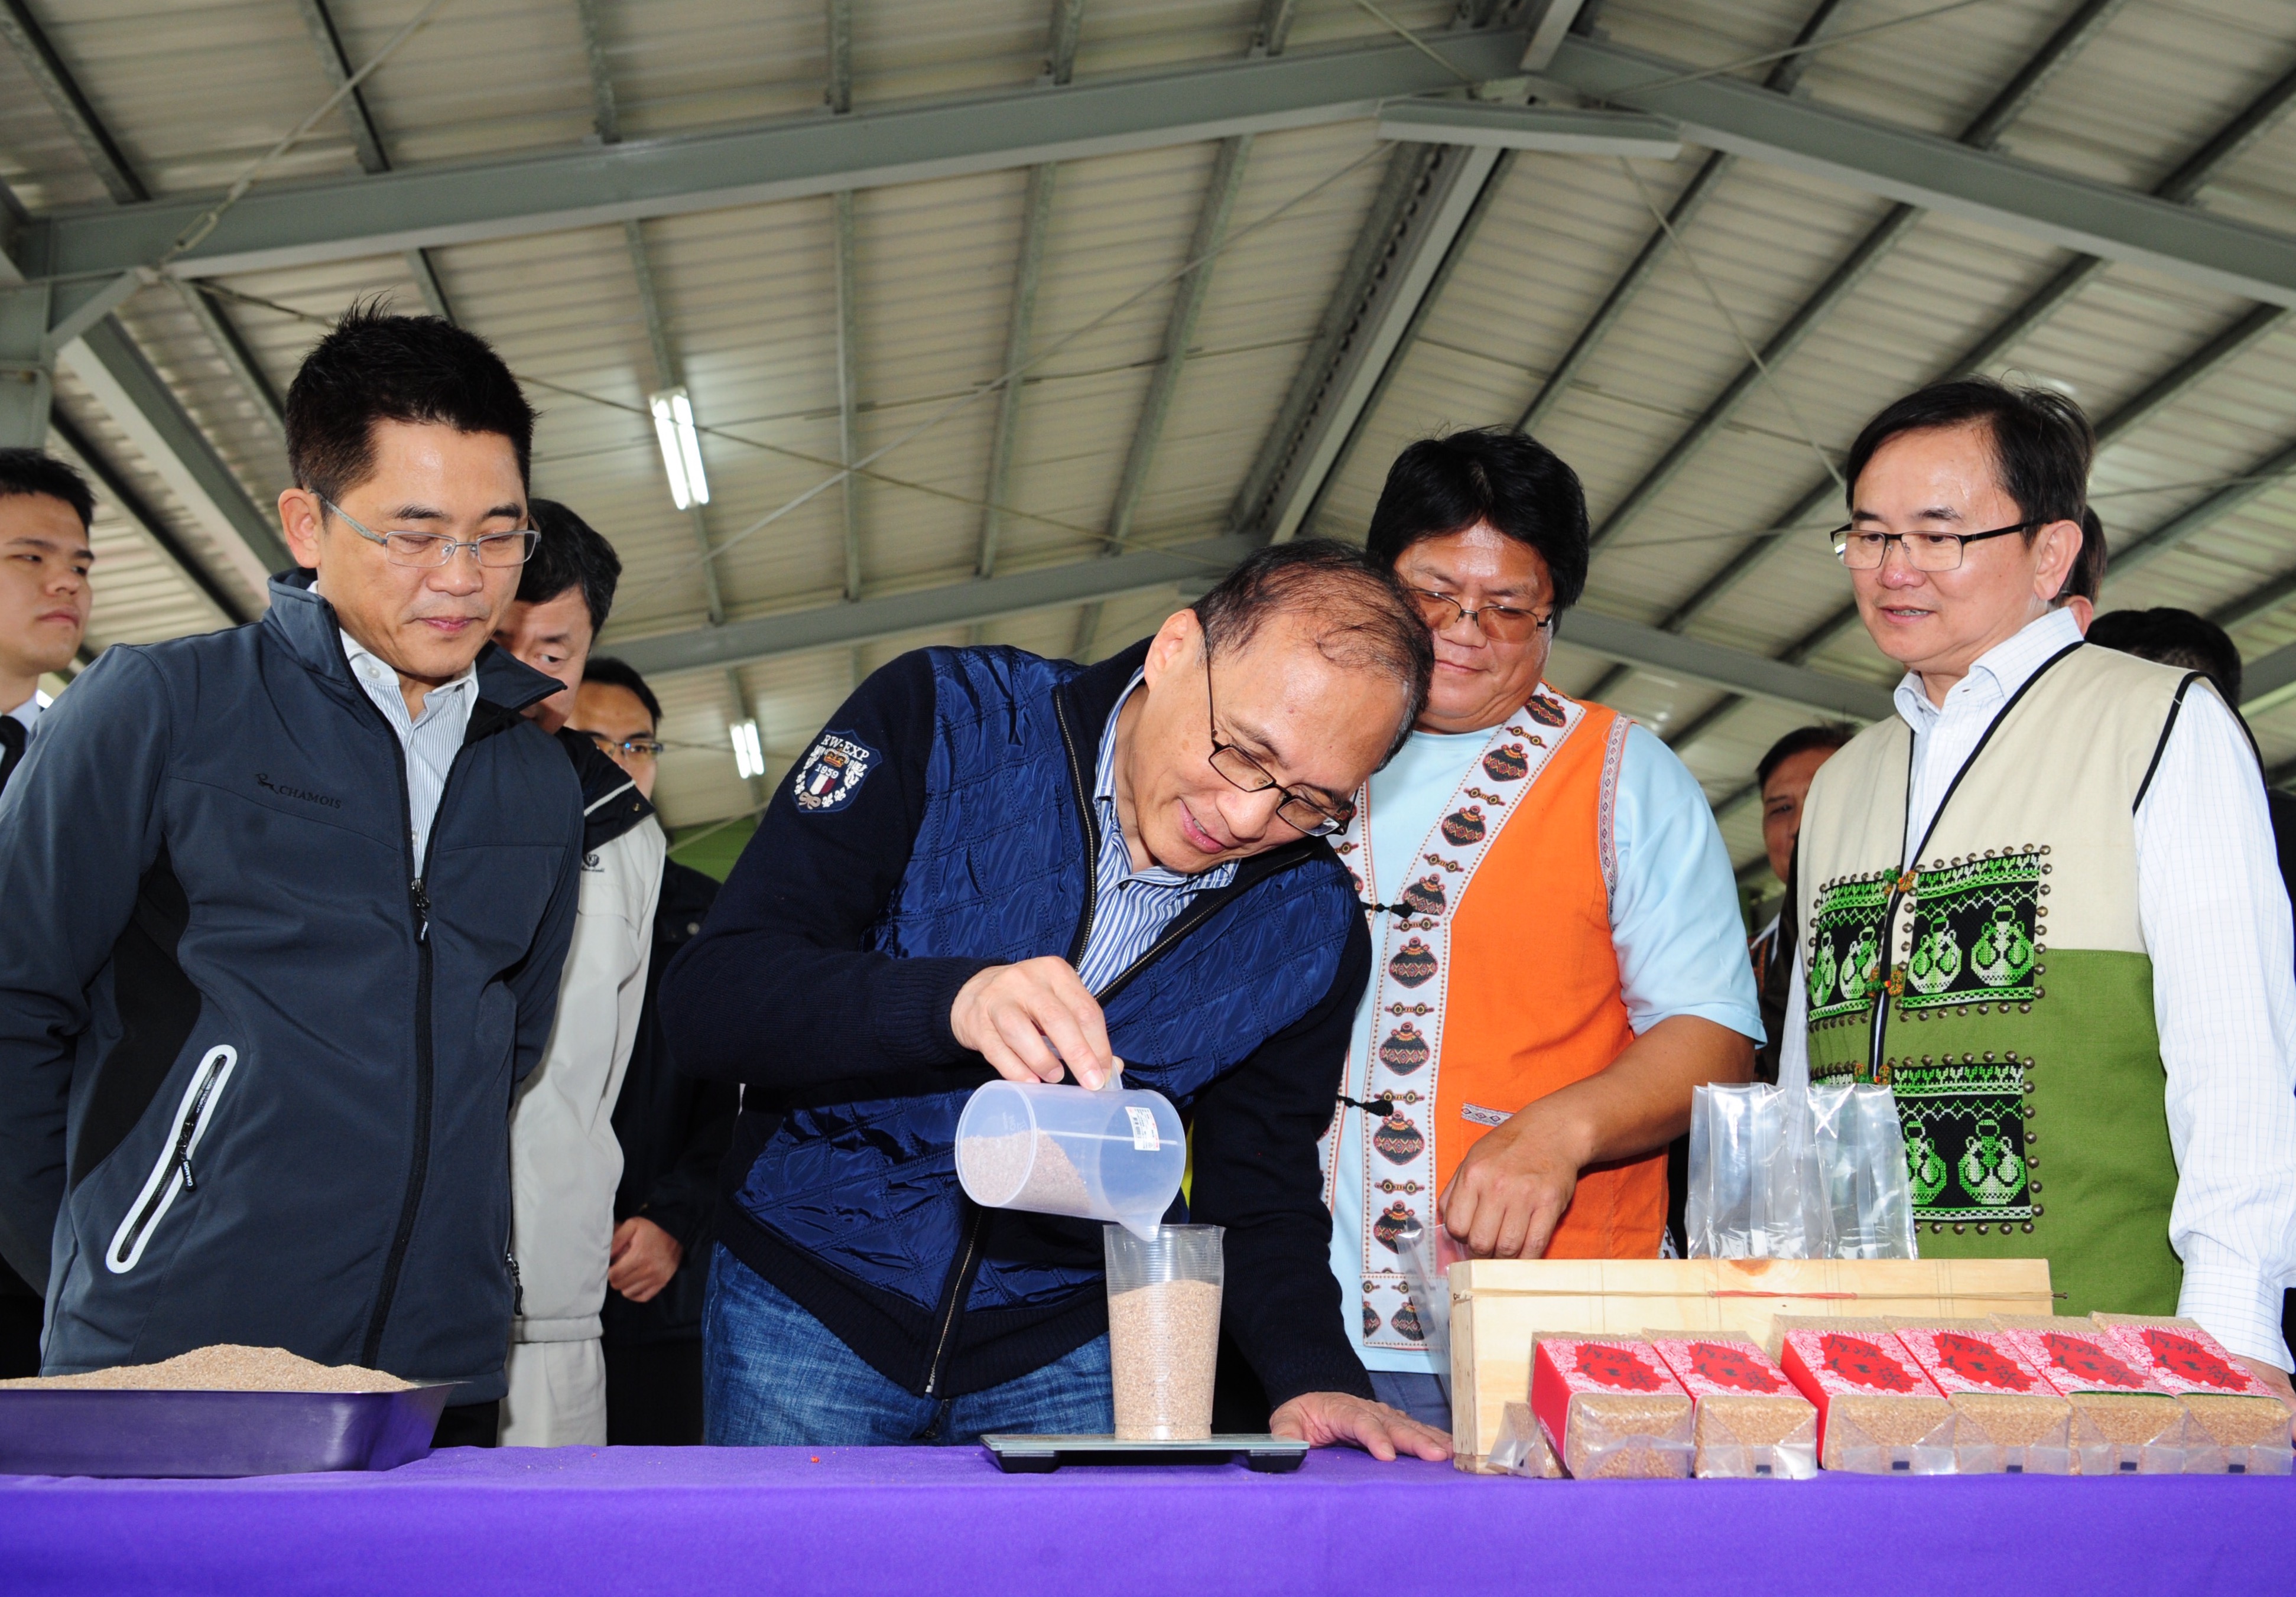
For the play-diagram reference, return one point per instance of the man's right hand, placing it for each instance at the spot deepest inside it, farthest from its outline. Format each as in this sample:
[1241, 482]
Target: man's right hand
[1027, 1019]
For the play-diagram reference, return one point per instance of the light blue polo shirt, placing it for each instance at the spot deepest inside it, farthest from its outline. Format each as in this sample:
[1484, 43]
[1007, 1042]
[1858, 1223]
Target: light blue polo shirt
[1675, 926]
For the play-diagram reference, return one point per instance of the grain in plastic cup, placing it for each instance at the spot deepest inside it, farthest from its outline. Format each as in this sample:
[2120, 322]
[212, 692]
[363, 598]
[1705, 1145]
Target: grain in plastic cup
[1163, 1330]
[1055, 1149]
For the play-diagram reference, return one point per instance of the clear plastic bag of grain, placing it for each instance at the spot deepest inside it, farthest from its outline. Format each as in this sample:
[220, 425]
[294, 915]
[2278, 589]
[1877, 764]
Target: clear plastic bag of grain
[2008, 1419]
[1163, 1329]
[1877, 1413]
[1521, 1447]
[1750, 1422]
[1609, 1410]
[2124, 1421]
[2234, 1423]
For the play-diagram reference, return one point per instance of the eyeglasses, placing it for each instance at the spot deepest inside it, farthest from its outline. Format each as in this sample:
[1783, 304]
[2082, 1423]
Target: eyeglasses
[437, 549]
[1298, 811]
[1500, 623]
[627, 748]
[1863, 550]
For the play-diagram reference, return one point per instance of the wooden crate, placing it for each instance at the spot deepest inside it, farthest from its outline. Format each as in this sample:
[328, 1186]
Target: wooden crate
[1498, 1304]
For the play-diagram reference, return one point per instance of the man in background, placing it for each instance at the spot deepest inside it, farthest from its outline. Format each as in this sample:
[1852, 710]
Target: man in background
[287, 906]
[46, 511]
[1783, 780]
[673, 1130]
[564, 1160]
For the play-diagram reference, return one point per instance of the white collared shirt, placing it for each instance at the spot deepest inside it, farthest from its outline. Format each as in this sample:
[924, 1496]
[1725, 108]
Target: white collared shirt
[2215, 921]
[429, 741]
[29, 711]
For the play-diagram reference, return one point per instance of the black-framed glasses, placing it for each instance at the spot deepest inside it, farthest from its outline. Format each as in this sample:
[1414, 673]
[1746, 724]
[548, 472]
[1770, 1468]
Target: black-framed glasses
[428, 549]
[1298, 811]
[1500, 623]
[1864, 551]
[638, 748]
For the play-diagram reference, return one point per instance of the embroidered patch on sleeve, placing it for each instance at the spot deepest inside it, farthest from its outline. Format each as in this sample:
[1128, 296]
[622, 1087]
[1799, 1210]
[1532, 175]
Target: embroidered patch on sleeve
[831, 773]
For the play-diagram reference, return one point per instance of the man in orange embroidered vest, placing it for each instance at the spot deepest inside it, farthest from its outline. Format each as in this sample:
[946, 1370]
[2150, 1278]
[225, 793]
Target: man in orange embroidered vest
[1558, 953]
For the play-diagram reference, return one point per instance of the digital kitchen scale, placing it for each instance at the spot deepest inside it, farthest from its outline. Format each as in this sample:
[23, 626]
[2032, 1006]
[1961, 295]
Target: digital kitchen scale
[1041, 1455]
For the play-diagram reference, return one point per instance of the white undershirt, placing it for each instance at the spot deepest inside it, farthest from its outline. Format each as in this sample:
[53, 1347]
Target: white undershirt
[2216, 922]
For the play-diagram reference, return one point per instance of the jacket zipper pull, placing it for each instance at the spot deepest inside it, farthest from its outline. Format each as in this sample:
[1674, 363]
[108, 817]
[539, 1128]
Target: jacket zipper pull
[422, 912]
[183, 1150]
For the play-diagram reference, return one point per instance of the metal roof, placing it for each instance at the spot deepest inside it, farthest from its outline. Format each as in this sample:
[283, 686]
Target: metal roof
[1229, 302]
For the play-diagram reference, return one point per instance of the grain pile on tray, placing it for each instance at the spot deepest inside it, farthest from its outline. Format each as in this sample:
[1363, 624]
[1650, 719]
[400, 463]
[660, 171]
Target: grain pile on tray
[1751, 1421]
[2234, 1422]
[1609, 1408]
[1521, 1446]
[2007, 1417]
[226, 1367]
[2124, 1421]
[1877, 1413]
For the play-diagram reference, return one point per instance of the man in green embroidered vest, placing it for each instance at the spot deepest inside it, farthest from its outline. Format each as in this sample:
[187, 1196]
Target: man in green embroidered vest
[2041, 902]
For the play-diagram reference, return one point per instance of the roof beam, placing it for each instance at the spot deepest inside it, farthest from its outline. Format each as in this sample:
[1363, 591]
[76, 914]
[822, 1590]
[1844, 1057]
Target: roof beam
[605, 112]
[1427, 199]
[846, 625]
[1557, 130]
[669, 373]
[1086, 581]
[154, 526]
[1782, 78]
[1020, 321]
[2259, 479]
[1981, 133]
[2266, 681]
[1916, 168]
[302, 224]
[46, 68]
[849, 382]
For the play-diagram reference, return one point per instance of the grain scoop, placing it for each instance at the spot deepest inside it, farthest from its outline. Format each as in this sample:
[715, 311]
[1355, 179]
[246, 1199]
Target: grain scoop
[1115, 1154]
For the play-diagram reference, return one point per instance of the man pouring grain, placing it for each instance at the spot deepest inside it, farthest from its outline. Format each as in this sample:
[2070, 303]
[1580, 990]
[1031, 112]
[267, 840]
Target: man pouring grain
[993, 865]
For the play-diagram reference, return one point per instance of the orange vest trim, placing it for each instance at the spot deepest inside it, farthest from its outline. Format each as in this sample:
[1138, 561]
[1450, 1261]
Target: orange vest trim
[1532, 1002]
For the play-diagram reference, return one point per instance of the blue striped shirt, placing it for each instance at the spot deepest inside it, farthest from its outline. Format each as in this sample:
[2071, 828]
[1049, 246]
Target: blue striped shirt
[1131, 905]
[429, 739]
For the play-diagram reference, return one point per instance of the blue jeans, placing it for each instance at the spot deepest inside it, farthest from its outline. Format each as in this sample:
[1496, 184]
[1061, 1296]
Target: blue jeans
[774, 1376]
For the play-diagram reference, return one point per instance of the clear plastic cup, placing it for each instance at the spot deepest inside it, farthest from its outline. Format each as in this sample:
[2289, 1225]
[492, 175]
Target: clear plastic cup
[1115, 1154]
[1163, 1330]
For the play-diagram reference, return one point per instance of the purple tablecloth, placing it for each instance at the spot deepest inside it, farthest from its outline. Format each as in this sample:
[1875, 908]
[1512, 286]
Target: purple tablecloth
[698, 1521]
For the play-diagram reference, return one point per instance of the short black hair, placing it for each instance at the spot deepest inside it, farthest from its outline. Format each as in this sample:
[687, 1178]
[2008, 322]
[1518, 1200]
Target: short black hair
[607, 671]
[1817, 734]
[568, 552]
[34, 472]
[1444, 485]
[2086, 580]
[2174, 637]
[375, 366]
[1365, 617]
[2042, 442]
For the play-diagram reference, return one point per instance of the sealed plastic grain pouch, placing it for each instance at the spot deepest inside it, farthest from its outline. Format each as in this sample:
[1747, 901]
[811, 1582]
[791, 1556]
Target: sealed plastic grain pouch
[2124, 1421]
[2234, 1423]
[1609, 1408]
[2007, 1417]
[1877, 1413]
[1750, 1423]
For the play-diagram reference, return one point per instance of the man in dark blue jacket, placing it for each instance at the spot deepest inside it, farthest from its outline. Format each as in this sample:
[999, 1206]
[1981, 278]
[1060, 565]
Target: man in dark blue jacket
[993, 864]
[287, 908]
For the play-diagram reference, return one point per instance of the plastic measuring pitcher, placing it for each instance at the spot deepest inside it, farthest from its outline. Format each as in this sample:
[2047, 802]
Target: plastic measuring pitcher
[1115, 1154]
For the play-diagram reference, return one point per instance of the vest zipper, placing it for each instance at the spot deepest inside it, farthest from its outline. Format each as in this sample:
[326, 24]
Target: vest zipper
[1091, 834]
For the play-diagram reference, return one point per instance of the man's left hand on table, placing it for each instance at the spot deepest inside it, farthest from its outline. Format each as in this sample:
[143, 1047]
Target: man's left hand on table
[1324, 1419]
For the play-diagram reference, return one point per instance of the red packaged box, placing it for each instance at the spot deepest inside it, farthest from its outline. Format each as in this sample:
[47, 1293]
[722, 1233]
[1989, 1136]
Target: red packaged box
[2007, 1417]
[1750, 1422]
[2124, 1421]
[1877, 1413]
[1609, 1409]
[2234, 1424]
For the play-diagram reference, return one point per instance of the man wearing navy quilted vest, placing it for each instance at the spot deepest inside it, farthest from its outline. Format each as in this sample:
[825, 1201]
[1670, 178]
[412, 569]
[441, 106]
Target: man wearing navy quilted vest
[993, 864]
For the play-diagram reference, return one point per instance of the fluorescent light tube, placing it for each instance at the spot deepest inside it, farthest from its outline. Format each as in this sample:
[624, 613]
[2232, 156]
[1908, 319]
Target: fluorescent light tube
[673, 454]
[689, 447]
[749, 754]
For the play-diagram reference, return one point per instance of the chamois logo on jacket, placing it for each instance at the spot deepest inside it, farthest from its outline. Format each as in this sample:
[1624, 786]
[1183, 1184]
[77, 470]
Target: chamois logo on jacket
[831, 773]
[286, 790]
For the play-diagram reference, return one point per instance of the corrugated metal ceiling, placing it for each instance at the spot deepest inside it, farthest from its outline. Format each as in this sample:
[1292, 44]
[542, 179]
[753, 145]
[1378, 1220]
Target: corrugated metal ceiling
[193, 90]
